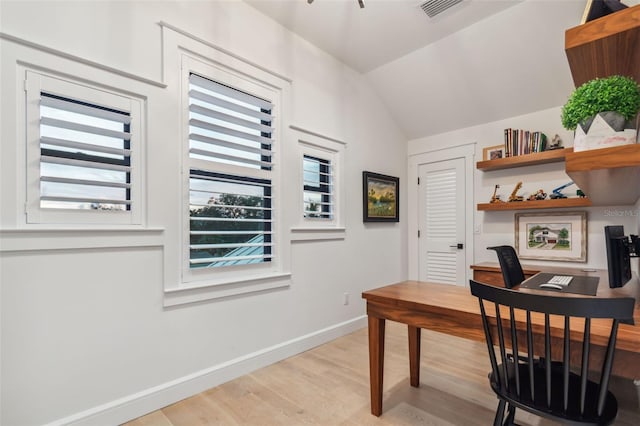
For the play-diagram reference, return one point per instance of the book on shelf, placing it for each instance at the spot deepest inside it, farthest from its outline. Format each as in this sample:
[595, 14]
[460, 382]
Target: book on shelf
[523, 142]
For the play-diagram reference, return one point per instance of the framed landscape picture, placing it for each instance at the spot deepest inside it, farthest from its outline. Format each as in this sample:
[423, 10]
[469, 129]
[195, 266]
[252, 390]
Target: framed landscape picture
[551, 236]
[380, 198]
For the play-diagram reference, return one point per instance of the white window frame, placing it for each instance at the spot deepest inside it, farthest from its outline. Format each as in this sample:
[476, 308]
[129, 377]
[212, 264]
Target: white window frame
[235, 274]
[37, 82]
[316, 145]
[181, 287]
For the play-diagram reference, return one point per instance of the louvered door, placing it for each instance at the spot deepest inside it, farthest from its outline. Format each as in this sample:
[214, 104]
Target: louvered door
[442, 222]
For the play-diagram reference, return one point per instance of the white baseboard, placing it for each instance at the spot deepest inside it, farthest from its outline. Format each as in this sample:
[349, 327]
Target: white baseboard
[138, 404]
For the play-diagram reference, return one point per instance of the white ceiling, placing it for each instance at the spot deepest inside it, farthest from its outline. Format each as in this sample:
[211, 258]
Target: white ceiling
[381, 32]
[480, 61]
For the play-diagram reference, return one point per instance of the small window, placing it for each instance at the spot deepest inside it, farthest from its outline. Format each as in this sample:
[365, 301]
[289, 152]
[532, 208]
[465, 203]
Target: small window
[318, 181]
[230, 203]
[321, 187]
[83, 154]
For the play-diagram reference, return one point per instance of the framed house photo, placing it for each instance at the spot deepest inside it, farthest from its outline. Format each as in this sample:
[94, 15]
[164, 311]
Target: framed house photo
[552, 236]
[380, 198]
[493, 152]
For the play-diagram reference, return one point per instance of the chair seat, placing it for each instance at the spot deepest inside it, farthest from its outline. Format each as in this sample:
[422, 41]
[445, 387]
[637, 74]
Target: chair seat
[538, 405]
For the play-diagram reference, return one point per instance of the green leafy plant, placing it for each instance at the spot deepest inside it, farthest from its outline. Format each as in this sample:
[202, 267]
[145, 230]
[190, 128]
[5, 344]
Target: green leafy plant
[615, 93]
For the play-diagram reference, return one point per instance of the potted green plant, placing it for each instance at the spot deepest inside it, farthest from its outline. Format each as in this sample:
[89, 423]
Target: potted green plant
[603, 112]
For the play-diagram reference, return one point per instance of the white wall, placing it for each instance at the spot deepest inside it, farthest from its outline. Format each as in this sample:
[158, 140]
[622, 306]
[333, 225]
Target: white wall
[497, 227]
[84, 334]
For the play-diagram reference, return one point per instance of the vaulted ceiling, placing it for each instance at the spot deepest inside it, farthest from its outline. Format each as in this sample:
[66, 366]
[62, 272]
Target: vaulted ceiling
[477, 62]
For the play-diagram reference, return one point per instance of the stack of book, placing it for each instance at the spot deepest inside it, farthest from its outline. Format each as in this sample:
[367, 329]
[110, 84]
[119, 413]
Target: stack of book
[522, 142]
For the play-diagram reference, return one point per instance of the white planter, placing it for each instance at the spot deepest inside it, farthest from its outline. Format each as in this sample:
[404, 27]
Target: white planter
[601, 135]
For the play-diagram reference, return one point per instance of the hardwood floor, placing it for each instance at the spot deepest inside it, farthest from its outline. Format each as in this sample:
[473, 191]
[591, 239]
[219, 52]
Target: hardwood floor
[329, 385]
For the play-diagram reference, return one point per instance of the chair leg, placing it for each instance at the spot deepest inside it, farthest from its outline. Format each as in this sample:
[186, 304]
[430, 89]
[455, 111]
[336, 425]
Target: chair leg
[511, 414]
[499, 413]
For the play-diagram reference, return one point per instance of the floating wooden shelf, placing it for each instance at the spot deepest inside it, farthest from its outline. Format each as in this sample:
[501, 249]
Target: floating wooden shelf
[609, 176]
[605, 46]
[537, 204]
[553, 156]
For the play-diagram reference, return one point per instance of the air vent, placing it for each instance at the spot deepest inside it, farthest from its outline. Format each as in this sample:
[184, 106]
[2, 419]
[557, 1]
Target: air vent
[436, 7]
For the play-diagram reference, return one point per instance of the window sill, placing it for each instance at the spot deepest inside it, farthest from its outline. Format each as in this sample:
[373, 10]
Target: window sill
[211, 291]
[317, 233]
[16, 240]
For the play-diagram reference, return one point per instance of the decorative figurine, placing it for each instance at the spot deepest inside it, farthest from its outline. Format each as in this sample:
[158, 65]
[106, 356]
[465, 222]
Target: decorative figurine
[556, 193]
[513, 197]
[556, 143]
[495, 198]
[540, 195]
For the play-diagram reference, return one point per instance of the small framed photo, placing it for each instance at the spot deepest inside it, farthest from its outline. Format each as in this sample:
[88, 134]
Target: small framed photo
[552, 236]
[380, 198]
[493, 152]
[598, 8]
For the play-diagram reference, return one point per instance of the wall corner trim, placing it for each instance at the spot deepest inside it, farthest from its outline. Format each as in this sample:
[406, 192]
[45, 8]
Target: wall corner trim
[78, 59]
[187, 34]
[320, 135]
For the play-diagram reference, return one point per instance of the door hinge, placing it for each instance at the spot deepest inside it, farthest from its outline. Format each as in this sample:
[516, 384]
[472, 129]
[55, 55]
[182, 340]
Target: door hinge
[418, 233]
[418, 181]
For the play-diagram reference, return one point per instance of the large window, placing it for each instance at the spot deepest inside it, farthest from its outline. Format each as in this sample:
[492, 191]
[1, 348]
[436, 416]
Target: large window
[232, 226]
[83, 154]
[230, 183]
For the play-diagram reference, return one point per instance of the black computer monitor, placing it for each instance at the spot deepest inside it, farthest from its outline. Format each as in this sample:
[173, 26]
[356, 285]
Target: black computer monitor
[618, 261]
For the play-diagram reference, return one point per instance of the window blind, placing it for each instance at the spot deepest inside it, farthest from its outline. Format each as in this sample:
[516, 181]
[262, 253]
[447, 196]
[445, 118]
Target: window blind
[228, 126]
[85, 155]
[231, 216]
[318, 188]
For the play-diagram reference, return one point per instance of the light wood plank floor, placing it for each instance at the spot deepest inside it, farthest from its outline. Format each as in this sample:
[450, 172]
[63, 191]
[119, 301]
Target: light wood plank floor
[329, 385]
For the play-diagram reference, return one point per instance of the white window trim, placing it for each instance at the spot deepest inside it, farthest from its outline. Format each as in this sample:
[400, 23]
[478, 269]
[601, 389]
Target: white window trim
[37, 81]
[181, 285]
[26, 240]
[222, 276]
[317, 145]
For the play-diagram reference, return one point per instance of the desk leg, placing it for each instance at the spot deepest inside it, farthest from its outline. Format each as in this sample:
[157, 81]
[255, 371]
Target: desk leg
[414, 355]
[376, 362]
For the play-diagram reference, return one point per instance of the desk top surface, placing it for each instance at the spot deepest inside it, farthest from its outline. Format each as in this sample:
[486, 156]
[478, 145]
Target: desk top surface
[423, 293]
[434, 297]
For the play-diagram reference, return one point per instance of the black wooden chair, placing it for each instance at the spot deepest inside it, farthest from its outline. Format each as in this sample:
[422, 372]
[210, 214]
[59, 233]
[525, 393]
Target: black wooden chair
[512, 273]
[542, 386]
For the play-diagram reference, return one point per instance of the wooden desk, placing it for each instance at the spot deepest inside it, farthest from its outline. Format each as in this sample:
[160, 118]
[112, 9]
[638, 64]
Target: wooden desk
[453, 310]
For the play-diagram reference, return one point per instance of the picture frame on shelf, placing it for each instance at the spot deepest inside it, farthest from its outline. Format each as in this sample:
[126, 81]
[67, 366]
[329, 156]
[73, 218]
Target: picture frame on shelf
[493, 152]
[595, 9]
[560, 236]
[380, 198]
